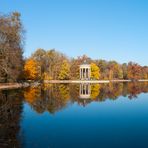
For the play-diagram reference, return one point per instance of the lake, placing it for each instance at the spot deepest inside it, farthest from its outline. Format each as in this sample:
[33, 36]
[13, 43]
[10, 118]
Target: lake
[75, 116]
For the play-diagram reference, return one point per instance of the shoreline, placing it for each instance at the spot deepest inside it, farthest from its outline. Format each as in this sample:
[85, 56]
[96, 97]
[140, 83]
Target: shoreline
[90, 81]
[4, 86]
[84, 81]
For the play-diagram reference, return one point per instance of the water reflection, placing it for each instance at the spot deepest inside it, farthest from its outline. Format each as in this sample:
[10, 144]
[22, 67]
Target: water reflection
[10, 116]
[85, 91]
[53, 97]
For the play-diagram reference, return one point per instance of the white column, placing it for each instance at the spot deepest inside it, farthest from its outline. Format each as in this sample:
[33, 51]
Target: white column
[89, 73]
[89, 88]
[80, 88]
[85, 73]
[81, 73]
[83, 88]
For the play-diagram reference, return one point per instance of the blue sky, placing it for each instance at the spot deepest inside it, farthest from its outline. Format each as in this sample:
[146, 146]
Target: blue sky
[102, 29]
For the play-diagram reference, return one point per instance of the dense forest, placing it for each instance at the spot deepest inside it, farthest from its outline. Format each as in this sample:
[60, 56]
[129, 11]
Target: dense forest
[51, 64]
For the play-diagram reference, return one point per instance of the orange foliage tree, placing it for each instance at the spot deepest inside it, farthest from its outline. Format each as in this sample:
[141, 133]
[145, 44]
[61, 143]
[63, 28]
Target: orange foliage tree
[31, 69]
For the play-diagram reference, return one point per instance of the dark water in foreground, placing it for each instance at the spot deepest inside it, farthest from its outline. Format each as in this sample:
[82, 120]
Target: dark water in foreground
[75, 116]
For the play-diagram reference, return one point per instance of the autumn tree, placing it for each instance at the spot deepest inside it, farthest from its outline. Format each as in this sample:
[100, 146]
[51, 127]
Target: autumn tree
[31, 69]
[103, 65]
[74, 68]
[54, 60]
[49, 63]
[95, 71]
[134, 71]
[11, 47]
[144, 72]
[125, 71]
[115, 70]
[65, 71]
[40, 56]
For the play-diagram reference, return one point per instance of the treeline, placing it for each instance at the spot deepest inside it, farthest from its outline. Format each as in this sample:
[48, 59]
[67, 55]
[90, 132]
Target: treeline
[11, 47]
[51, 64]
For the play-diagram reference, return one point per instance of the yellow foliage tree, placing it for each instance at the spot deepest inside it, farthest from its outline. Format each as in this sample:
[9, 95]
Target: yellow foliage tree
[65, 71]
[95, 71]
[31, 69]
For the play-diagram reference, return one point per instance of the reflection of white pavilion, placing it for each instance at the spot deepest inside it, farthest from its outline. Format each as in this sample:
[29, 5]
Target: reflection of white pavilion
[85, 71]
[85, 91]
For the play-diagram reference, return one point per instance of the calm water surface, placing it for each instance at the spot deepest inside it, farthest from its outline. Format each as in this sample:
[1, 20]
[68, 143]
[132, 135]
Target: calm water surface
[75, 116]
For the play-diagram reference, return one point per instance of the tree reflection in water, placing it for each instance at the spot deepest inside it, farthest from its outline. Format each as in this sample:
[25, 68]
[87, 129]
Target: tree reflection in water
[54, 97]
[10, 116]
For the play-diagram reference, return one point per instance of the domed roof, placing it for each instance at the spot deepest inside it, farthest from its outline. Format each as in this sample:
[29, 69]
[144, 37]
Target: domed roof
[85, 64]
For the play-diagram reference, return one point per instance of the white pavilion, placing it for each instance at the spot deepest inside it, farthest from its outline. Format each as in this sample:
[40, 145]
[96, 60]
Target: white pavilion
[85, 71]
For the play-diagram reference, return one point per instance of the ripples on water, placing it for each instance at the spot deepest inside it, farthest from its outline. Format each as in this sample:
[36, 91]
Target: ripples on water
[75, 115]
